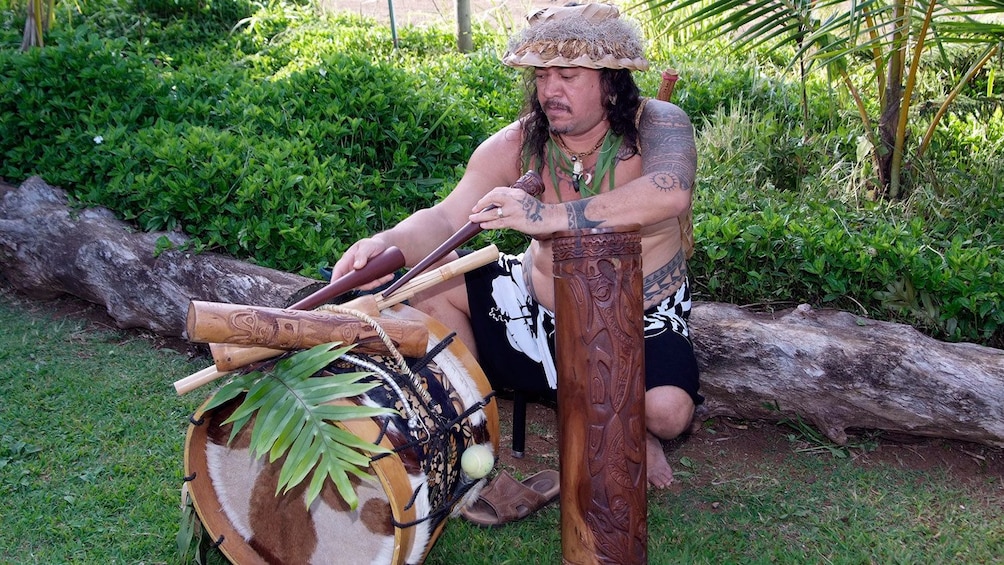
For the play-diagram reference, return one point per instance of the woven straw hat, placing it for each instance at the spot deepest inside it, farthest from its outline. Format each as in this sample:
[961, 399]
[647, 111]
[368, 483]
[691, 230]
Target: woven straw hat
[588, 35]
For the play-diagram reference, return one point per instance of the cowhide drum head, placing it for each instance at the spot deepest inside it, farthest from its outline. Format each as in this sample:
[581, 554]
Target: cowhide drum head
[401, 510]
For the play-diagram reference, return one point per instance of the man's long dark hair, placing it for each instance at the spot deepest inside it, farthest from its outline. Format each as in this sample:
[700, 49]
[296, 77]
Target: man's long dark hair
[615, 83]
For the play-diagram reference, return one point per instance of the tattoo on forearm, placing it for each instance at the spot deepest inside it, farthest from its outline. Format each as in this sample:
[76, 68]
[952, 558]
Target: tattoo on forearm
[666, 279]
[670, 155]
[532, 209]
[577, 215]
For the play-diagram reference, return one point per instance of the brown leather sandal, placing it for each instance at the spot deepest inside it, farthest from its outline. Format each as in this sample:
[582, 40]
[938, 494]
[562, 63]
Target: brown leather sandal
[506, 500]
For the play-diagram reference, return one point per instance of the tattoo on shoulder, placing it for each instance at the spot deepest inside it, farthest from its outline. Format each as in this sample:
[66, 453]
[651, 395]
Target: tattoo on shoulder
[577, 215]
[532, 209]
[669, 153]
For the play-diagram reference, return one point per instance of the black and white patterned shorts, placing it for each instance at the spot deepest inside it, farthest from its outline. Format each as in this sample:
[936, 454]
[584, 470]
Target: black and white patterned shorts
[515, 335]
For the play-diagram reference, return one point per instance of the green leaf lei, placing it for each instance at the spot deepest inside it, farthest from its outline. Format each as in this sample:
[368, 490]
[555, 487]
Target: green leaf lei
[605, 159]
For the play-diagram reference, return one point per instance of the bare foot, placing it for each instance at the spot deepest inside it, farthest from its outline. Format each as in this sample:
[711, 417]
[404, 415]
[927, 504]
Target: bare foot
[659, 473]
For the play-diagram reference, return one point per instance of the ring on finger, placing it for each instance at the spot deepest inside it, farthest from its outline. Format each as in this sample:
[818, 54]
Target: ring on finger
[499, 212]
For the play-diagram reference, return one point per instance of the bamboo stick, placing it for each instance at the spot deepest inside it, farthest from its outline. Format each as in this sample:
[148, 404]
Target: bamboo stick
[427, 280]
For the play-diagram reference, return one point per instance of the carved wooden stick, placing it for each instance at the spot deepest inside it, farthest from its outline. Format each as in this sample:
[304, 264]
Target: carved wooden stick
[601, 396]
[387, 262]
[369, 304]
[529, 182]
[277, 328]
[669, 78]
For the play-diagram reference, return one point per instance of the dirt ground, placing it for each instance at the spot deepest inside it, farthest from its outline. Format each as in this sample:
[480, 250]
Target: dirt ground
[750, 442]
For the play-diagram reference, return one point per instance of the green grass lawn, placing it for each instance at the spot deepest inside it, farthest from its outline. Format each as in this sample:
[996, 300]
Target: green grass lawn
[91, 462]
[91, 440]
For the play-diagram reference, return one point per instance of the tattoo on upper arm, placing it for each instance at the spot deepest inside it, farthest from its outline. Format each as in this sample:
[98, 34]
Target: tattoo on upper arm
[669, 154]
[532, 208]
[577, 215]
[667, 278]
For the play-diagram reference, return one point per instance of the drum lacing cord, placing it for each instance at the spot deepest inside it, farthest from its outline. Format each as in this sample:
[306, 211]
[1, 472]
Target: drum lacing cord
[447, 425]
[435, 513]
[425, 398]
[402, 365]
[414, 421]
[421, 364]
[463, 487]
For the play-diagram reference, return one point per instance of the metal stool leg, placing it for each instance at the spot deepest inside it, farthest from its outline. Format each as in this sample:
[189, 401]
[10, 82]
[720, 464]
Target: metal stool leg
[518, 424]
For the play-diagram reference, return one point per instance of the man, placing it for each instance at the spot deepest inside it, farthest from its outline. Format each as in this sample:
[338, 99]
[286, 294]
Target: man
[607, 158]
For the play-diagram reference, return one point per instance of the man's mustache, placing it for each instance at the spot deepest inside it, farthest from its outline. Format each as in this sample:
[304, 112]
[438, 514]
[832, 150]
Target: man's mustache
[555, 105]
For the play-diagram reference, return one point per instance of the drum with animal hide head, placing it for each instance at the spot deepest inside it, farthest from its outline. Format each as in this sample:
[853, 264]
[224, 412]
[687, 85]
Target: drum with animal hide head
[413, 490]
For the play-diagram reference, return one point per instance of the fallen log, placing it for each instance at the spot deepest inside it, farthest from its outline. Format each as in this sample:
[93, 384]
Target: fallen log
[48, 249]
[842, 372]
[839, 371]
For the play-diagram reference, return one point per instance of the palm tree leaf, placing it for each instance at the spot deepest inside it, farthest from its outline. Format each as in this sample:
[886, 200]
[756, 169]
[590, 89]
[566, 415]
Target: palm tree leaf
[969, 32]
[257, 396]
[344, 439]
[311, 361]
[293, 416]
[300, 459]
[319, 390]
[303, 457]
[337, 443]
[285, 437]
[339, 478]
[280, 426]
[337, 413]
[232, 389]
[271, 405]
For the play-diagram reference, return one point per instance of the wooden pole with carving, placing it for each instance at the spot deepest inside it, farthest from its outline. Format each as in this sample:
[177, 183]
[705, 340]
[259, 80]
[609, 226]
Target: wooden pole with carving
[601, 396]
[280, 328]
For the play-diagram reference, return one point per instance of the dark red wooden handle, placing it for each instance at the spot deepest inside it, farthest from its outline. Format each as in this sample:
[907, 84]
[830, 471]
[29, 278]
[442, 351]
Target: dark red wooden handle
[530, 182]
[386, 263]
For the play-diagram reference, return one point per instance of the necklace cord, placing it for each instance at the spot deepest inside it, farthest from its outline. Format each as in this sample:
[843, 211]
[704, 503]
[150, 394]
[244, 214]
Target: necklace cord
[572, 163]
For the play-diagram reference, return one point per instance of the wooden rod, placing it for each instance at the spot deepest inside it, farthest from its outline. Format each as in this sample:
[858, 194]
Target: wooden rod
[669, 78]
[278, 328]
[369, 303]
[529, 182]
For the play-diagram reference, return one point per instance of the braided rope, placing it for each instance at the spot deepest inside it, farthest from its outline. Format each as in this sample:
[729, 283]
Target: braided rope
[402, 365]
[414, 420]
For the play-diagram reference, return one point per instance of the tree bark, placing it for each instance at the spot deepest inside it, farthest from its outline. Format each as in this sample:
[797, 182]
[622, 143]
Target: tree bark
[47, 249]
[839, 371]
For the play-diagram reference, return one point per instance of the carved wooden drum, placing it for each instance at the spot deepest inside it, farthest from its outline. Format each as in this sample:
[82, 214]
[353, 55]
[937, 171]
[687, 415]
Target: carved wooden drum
[414, 489]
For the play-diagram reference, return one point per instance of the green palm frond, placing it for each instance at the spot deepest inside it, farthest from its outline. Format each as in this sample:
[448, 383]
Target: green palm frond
[861, 25]
[294, 417]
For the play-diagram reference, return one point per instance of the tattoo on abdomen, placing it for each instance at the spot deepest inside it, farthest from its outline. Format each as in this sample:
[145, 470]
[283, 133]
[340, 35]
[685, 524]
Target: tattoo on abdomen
[577, 215]
[666, 279]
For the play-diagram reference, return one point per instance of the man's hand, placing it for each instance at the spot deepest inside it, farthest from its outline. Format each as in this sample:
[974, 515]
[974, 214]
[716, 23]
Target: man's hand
[511, 208]
[357, 256]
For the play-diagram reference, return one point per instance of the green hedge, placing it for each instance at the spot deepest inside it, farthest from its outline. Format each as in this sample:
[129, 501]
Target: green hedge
[291, 136]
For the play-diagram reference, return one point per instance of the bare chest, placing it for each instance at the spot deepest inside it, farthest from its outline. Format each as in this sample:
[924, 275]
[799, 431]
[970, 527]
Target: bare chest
[565, 180]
